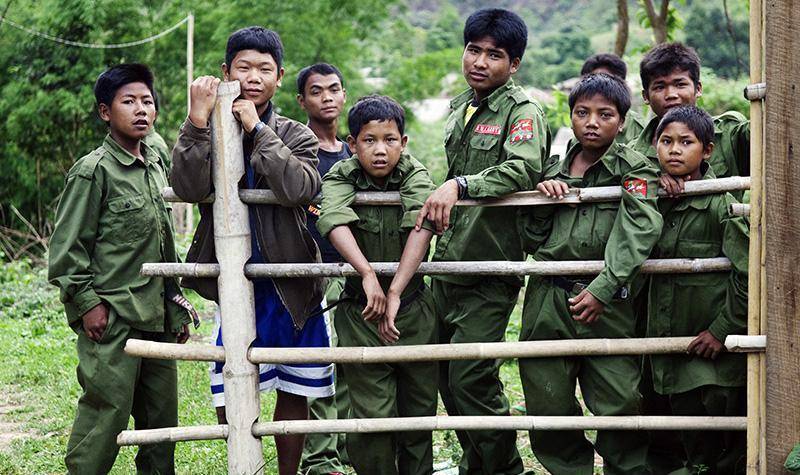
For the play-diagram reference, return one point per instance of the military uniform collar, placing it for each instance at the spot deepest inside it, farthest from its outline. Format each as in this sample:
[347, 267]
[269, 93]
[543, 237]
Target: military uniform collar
[353, 169]
[608, 160]
[123, 156]
[492, 101]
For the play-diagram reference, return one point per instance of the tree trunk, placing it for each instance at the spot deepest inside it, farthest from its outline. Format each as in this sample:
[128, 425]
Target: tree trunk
[622, 28]
[658, 20]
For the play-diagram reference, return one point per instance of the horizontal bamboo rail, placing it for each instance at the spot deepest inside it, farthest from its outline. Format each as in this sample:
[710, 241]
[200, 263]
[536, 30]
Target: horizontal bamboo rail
[523, 198]
[431, 423]
[455, 351]
[493, 268]
[739, 209]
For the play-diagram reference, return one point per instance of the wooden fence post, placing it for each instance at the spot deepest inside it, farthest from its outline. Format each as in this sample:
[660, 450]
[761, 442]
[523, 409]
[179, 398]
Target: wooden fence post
[233, 248]
[781, 230]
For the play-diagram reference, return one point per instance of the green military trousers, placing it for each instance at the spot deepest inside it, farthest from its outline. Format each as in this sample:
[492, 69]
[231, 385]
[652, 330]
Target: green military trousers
[470, 314]
[327, 453]
[609, 385]
[712, 452]
[390, 390]
[116, 386]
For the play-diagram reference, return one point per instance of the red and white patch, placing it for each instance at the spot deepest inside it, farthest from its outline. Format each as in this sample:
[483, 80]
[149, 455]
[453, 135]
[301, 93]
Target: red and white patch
[488, 129]
[636, 187]
[521, 131]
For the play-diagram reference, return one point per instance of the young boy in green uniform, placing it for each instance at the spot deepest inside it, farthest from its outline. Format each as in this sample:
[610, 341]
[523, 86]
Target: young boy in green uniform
[496, 139]
[376, 310]
[622, 233]
[110, 220]
[708, 381]
[670, 75]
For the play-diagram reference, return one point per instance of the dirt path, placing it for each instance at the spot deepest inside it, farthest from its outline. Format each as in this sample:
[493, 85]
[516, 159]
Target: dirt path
[10, 431]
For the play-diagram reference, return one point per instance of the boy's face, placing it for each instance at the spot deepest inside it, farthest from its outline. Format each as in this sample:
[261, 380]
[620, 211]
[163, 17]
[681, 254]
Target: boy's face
[257, 73]
[378, 146]
[323, 97]
[595, 122]
[671, 90]
[131, 112]
[679, 150]
[486, 66]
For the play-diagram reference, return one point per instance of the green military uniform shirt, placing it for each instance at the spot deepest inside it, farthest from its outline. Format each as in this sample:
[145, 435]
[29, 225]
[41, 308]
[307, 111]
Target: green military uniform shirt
[687, 304]
[380, 231]
[111, 219]
[731, 155]
[499, 150]
[621, 232]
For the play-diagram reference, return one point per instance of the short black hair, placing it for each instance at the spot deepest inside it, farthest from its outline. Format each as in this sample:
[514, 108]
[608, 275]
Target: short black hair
[610, 61]
[257, 38]
[375, 107]
[112, 79]
[611, 87]
[505, 27]
[665, 58]
[696, 119]
[323, 69]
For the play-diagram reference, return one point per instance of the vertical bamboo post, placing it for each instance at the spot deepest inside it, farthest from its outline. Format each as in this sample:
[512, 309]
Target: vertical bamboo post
[755, 362]
[781, 226]
[188, 211]
[232, 244]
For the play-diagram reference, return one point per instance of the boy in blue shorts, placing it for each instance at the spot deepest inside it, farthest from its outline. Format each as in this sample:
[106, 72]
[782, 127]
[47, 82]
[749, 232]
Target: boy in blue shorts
[280, 155]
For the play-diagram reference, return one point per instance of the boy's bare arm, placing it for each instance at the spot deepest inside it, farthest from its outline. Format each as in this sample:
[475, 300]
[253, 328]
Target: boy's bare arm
[343, 240]
[415, 250]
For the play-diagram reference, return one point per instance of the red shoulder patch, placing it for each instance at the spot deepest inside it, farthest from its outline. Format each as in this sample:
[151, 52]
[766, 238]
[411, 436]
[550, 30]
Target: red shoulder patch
[521, 131]
[488, 129]
[637, 187]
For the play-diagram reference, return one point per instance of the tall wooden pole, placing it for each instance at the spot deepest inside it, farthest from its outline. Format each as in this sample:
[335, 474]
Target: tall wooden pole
[188, 212]
[233, 247]
[781, 229]
[756, 363]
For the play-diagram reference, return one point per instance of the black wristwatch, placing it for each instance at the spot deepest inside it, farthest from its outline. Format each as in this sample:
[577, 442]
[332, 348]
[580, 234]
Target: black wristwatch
[257, 128]
[462, 187]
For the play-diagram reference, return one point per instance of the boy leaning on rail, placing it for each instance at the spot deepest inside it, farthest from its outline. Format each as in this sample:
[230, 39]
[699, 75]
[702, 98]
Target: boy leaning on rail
[707, 381]
[111, 220]
[622, 234]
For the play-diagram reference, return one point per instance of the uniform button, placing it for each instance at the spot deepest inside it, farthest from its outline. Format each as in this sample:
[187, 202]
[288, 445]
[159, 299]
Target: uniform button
[672, 224]
[127, 205]
[583, 212]
[584, 244]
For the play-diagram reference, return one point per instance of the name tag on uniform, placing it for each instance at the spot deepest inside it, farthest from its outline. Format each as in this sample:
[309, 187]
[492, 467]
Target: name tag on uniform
[488, 129]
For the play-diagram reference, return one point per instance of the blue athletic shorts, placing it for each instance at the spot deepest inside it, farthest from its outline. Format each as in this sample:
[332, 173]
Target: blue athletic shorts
[274, 329]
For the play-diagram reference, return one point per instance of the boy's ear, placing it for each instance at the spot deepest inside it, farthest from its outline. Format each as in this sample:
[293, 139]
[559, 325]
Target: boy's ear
[515, 65]
[621, 124]
[645, 97]
[351, 142]
[301, 101]
[104, 112]
[708, 150]
[280, 76]
[699, 89]
[404, 141]
[224, 68]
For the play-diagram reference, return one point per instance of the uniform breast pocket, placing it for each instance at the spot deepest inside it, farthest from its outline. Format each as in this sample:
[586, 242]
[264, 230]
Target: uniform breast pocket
[698, 249]
[605, 214]
[484, 152]
[128, 219]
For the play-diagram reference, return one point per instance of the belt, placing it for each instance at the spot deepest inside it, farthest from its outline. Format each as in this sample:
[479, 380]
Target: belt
[577, 285]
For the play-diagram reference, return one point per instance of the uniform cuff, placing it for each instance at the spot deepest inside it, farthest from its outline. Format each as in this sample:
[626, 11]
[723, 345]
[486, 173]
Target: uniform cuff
[85, 301]
[331, 219]
[410, 220]
[475, 186]
[721, 328]
[603, 289]
[189, 129]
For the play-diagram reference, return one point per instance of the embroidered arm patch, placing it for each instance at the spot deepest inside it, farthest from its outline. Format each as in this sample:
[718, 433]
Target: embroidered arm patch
[521, 131]
[637, 187]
